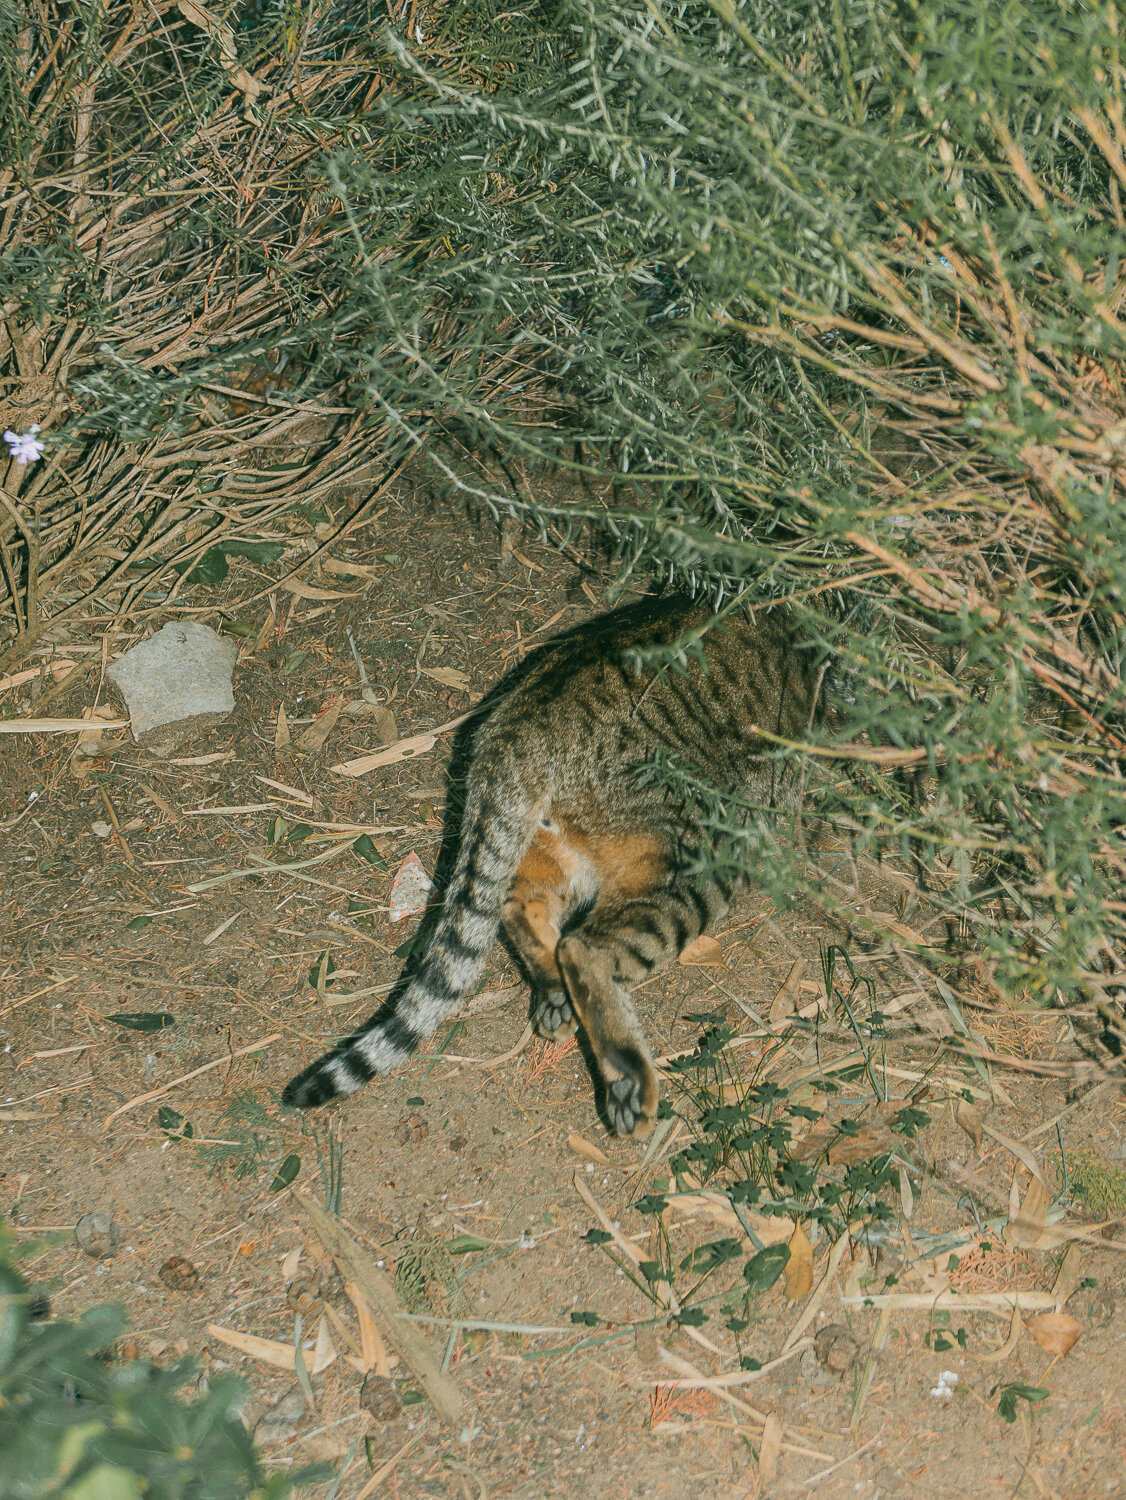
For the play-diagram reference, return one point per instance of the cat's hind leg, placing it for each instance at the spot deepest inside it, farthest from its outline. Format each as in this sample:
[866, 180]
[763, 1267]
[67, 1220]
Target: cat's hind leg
[533, 916]
[621, 942]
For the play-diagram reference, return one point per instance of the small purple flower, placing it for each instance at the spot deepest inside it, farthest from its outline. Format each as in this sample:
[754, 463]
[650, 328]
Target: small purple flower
[25, 447]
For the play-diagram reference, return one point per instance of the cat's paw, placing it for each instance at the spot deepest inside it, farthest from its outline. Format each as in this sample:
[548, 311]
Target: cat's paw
[552, 1017]
[626, 1107]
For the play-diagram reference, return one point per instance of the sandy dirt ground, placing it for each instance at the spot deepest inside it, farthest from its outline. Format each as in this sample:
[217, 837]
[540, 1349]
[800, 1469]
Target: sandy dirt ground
[460, 1176]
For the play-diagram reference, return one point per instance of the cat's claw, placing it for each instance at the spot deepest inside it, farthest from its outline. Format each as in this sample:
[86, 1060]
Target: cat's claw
[553, 1017]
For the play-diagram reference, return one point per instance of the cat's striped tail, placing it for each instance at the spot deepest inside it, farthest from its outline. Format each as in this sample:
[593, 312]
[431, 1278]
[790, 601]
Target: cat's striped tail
[497, 829]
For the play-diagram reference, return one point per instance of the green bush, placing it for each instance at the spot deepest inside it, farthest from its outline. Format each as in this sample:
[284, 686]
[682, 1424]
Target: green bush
[77, 1425]
[834, 293]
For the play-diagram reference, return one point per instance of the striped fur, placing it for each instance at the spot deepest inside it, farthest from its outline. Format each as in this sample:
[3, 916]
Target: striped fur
[587, 868]
[499, 823]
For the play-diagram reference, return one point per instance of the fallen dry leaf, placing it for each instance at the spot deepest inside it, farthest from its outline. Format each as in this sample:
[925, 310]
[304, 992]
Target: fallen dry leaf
[785, 1001]
[769, 1449]
[799, 1267]
[1055, 1332]
[281, 731]
[324, 1350]
[373, 1351]
[843, 1150]
[269, 1351]
[586, 1149]
[970, 1118]
[448, 677]
[346, 569]
[314, 736]
[1069, 1275]
[1027, 1226]
[703, 952]
[304, 591]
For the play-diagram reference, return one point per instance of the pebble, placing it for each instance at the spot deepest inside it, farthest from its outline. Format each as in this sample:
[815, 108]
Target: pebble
[97, 1235]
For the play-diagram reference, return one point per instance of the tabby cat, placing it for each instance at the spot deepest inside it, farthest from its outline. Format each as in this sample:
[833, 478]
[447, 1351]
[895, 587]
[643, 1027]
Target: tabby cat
[586, 867]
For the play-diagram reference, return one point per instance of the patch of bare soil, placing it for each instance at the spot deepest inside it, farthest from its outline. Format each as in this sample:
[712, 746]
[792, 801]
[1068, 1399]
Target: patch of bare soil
[460, 1176]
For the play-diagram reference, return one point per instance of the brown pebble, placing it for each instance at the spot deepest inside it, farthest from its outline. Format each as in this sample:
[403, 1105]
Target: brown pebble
[379, 1398]
[412, 1130]
[97, 1235]
[179, 1275]
[835, 1347]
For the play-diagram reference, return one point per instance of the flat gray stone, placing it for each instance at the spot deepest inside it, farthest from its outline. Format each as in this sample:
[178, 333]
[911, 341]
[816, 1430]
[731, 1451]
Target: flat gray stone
[176, 683]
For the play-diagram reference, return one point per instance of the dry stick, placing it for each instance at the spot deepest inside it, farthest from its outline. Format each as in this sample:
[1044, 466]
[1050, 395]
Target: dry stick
[413, 745]
[684, 1368]
[166, 1088]
[58, 726]
[738, 1377]
[356, 1267]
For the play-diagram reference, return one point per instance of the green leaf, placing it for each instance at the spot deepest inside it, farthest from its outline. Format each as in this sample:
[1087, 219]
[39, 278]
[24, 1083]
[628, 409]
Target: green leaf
[467, 1244]
[143, 1020]
[588, 1319]
[404, 950]
[367, 850]
[138, 924]
[259, 552]
[652, 1203]
[415, 1101]
[174, 1124]
[298, 833]
[211, 567]
[320, 975]
[597, 1237]
[411, 1398]
[691, 1317]
[764, 1268]
[106, 1482]
[715, 1253]
[1011, 1394]
[654, 1271]
[286, 1173]
[308, 513]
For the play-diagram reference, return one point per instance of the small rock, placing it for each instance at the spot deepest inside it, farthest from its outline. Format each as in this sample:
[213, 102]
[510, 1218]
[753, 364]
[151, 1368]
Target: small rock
[176, 683]
[97, 1235]
[835, 1348]
[179, 1275]
[379, 1398]
[412, 1130]
[282, 1420]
